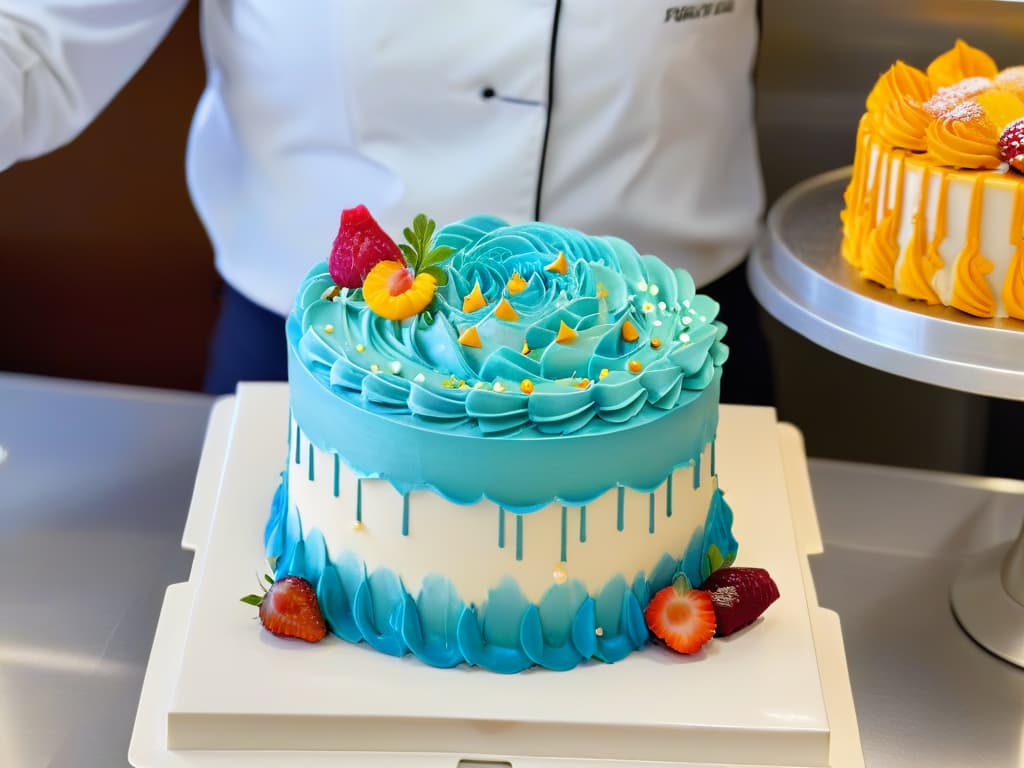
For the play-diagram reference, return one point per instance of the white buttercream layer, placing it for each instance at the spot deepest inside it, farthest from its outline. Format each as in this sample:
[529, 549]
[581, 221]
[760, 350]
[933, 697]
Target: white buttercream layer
[477, 545]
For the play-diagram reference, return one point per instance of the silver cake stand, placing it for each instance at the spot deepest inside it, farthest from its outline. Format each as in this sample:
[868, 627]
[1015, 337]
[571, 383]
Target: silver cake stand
[798, 275]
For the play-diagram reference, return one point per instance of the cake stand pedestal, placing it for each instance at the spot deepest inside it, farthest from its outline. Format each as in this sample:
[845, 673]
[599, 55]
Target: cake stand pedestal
[798, 275]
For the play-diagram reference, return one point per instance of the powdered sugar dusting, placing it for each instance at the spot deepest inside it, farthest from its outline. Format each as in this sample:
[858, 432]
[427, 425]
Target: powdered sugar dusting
[950, 96]
[966, 111]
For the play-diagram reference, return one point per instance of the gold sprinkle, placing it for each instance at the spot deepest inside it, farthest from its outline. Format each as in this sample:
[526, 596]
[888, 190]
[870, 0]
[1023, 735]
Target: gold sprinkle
[629, 331]
[559, 574]
[375, 368]
[526, 386]
[328, 328]
[604, 372]
[330, 293]
[655, 342]
[470, 338]
[478, 385]
[602, 292]
[583, 384]
[357, 525]
[504, 311]
[647, 307]
[635, 366]
[526, 349]
[360, 348]
[599, 631]
[565, 333]
[474, 300]
[515, 284]
[559, 265]
[447, 384]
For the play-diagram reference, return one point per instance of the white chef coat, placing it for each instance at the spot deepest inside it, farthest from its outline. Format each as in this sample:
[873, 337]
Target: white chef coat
[643, 129]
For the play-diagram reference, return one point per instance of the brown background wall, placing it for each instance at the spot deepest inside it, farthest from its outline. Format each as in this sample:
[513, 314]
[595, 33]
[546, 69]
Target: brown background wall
[105, 271]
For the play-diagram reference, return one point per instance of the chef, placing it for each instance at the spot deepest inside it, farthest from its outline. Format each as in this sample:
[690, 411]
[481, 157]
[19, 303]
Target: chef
[625, 117]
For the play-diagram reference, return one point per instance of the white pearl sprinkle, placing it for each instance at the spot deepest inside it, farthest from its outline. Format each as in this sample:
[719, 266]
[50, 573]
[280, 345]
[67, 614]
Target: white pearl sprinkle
[396, 367]
[693, 311]
[684, 337]
[419, 378]
[662, 306]
[328, 328]
[686, 303]
[703, 319]
[687, 320]
[499, 387]
[478, 385]
[657, 322]
[642, 285]
[653, 290]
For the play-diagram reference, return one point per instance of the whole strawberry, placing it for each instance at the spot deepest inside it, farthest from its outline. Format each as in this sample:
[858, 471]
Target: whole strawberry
[739, 595]
[359, 246]
[1011, 144]
[290, 609]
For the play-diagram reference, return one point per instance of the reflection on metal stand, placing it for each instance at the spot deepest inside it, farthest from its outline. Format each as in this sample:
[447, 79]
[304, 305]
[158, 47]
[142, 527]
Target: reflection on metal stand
[799, 277]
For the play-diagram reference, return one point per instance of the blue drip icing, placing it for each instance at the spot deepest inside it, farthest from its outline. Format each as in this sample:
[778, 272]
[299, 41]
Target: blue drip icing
[310, 461]
[519, 537]
[583, 524]
[298, 445]
[621, 517]
[405, 514]
[501, 527]
[565, 515]
[696, 472]
[650, 515]
[713, 457]
[508, 634]
[337, 476]
[359, 499]
[668, 497]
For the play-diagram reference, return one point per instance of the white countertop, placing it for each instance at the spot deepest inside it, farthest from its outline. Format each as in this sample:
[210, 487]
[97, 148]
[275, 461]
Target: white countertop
[93, 498]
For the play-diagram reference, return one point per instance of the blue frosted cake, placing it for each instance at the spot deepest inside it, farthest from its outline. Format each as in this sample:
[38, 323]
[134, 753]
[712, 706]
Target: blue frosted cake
[502, 442]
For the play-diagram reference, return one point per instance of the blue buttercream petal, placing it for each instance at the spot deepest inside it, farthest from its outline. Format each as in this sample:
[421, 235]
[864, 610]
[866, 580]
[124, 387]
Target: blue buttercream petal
[503, 613]
[365, 612]
[662, 573]
[717, 531]
[294, 561]
[436, 654]
[386, 390]
[316, 555]
[558, 608]
[336, 605]
[670, 399]
[558, 658]
[505, 660]
[274, 531]
[633, 623]
[583, 638]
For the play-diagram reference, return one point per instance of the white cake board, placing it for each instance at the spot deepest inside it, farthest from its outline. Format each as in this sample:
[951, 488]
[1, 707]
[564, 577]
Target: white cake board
[220, 691]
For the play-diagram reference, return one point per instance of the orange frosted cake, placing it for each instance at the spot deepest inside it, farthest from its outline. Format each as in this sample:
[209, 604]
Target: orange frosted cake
[935, 207]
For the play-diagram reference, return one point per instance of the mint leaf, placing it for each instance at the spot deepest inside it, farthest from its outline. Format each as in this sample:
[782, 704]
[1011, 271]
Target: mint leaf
[253, 600]
[437, 255]
[410, 255]
[269, 579]
[438, 274]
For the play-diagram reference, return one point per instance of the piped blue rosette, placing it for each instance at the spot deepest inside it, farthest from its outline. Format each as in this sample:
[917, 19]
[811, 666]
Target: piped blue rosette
[539, 332]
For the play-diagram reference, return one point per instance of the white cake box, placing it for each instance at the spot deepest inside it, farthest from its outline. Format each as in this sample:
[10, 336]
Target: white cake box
[220, 691]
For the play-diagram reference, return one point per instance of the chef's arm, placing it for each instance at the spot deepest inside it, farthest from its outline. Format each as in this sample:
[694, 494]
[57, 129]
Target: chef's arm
[62, 61]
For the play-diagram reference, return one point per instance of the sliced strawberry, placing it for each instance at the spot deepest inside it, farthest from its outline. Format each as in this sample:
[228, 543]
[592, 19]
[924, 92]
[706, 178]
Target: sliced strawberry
[360, 245]
[290, 609]
[682, 618]
[739, 596]
[1011, 144]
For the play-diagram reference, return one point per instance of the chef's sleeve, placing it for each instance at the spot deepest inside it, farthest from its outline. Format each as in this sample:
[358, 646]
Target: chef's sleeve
[62, 61]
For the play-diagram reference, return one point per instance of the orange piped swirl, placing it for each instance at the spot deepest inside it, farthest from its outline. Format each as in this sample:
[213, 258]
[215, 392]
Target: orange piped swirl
[960, 62]
[964, 137]
[896, 106]
[971, 291]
